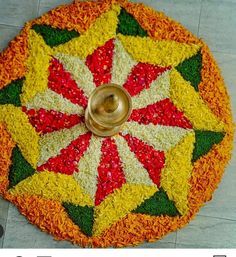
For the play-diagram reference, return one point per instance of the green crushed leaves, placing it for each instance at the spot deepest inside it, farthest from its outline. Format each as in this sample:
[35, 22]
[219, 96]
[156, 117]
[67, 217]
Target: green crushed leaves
[190, 70]
[54, 36]
[129, 26]
[81, 216]
[10, 94]
[158, 204]
[20, 168]
[204, 142]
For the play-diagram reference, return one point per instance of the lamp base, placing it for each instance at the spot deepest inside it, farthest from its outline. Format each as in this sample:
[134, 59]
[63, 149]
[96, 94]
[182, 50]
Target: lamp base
[99, 130]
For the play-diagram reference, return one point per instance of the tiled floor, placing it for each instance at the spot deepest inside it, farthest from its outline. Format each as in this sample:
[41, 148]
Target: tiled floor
[215, 22]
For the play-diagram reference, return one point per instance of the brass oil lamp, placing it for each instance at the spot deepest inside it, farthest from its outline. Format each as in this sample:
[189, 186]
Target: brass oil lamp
[109, 106]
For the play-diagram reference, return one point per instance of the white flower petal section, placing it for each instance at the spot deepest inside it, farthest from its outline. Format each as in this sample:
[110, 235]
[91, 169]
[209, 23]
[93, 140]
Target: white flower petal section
[159, 90]
[160, 137]
[122, 64]
[51, 144]
[79, 72]
[50, 100]
[134, 172]
[88, 165]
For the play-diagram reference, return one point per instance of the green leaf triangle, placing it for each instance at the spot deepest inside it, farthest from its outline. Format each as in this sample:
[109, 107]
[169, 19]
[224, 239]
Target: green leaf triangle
[20, 168]
[190, 70]
[204, 142]
[10, 94]
[54, 36]
[158, 204]
[129, 26]
[83, 216]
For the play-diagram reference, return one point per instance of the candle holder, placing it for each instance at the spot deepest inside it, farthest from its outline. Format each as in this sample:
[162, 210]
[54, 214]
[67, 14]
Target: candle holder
[109, 107]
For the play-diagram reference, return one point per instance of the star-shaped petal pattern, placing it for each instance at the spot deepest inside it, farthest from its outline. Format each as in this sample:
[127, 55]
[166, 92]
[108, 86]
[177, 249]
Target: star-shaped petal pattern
[160, 125]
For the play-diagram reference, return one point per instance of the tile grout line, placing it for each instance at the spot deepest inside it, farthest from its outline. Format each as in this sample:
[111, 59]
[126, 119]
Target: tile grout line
[176, 238]
[5, 227]
[222, 52]
[38, 7]
[12, 26]
[199, 19]
[200, 215]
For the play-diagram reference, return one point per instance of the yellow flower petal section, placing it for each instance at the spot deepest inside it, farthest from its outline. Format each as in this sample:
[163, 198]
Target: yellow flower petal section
[177, 172]
[119, 204]
[163, 53]
[100, 32]
[22, 132]
[53, 186]
[189, 101]
[36, 79]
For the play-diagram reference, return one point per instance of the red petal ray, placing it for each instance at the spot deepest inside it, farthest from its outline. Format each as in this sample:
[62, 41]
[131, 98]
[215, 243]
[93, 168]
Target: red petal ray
[110, 173]
[45, 121]
[62, 83]
[153, 161]
[66, 162]
[100, 63]
[142, 76]
[162, 113]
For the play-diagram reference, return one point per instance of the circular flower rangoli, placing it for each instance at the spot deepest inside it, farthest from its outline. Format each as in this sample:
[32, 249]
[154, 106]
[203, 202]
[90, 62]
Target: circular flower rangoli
[168, 158]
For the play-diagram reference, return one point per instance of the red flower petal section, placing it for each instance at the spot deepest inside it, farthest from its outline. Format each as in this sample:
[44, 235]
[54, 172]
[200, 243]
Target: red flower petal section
[162, 113]
[110, 173]
[100, 63]
[141, 76]
[45, 121]
[153, 161]
[66, 162]
[62, 83]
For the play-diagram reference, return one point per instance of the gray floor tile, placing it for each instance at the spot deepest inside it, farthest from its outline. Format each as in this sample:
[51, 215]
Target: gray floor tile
[217, 25]
[3, 225]
[208, 232]
[16, 12]
[158, 244]
[21, 234]
[7, 33]
[186, 11]
[46, 5]
[14, 214]
[193, 246]
[3, 208]
[227, 63]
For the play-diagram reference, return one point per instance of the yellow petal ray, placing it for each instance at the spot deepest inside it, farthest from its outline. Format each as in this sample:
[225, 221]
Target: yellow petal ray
[134, 171]
[163, 53]
[159, 90]
[122, 64]
[160, 137]
[120, 203]
[36, 78]
[22, 132]
[50, 100]
[53, 186]
[79, 72]
[87, 166]
[189, 101]
[51, 144]
[103, 29]
[177, 172]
